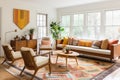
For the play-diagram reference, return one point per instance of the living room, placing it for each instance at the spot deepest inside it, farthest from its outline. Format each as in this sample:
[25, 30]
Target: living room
[89, 20]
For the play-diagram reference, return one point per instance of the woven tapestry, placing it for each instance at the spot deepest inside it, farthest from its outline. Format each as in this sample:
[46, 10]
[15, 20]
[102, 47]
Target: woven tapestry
[20, 17]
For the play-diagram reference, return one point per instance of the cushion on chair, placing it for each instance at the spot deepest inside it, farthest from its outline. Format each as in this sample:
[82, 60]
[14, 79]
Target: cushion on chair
[9, 46]
[41, 60]
[45, 42]
[28, 49]
[16, 54]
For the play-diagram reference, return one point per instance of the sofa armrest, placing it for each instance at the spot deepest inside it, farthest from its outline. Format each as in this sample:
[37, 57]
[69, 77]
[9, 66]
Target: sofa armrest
[115, 51]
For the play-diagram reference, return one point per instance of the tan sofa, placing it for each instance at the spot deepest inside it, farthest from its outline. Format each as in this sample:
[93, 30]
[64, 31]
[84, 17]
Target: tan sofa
[106, 53]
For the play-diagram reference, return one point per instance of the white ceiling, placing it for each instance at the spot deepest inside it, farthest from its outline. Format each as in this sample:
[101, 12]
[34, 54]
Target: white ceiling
[66, 3]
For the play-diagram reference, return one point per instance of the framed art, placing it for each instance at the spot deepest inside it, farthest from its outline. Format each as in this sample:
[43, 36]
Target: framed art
[21, 17]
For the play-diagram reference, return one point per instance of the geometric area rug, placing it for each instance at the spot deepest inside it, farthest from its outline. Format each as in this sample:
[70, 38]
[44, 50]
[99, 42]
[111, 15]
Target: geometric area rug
[86, 70]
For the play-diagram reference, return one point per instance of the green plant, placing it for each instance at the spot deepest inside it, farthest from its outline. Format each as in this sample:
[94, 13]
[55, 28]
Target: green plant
[56, 30]
[31, 31]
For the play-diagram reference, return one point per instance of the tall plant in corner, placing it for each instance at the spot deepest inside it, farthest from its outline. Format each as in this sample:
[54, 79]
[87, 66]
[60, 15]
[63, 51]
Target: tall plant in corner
[56, 30]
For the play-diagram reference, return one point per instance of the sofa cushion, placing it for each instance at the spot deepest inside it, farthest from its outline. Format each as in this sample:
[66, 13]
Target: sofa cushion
[89, 49]
[104, 44]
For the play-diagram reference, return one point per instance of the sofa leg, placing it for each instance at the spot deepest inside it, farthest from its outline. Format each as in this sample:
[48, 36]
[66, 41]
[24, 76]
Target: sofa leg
[111, 60]
[119, 57]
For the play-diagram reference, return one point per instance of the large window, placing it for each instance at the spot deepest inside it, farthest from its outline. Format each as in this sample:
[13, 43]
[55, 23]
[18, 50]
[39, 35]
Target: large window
[93, 24]
[65, 22]
[42, 25]
[112, 24]
[78, 24]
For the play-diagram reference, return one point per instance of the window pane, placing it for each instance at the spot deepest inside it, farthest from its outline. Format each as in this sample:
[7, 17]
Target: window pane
[41, 24]
[94, 19]
[113, 17]
[111, 32]
[112, 24]
[93, 24]
[116, 17]
[65, 22]
[78, 20]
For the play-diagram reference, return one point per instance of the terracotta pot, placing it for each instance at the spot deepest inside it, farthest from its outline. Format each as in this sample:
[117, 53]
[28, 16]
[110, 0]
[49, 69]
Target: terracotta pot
[31, 36]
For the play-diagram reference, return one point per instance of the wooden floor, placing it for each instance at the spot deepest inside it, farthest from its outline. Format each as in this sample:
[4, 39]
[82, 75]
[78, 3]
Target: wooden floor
[4, 75]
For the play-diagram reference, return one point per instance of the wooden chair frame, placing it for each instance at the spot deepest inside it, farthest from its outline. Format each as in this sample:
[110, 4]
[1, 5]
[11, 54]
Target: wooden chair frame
[8, 55]
[30, 63]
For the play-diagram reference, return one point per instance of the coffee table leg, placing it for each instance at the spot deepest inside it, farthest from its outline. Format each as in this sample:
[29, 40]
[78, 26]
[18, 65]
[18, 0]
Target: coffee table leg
[57, 59]
[76, 60]
[66, 63]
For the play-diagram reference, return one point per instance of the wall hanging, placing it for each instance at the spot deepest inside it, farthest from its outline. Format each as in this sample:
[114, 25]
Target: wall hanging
[21, 17]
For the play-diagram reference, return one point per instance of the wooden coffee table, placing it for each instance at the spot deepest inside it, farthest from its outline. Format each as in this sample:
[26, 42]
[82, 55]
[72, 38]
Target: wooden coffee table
[68, 55]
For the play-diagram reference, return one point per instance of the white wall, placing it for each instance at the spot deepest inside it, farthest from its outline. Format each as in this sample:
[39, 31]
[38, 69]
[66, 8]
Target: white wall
[7, 7]
[106, 5]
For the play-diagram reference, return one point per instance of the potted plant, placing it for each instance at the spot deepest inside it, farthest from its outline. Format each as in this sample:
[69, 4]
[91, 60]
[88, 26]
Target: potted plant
[56, 30]
[31, 32]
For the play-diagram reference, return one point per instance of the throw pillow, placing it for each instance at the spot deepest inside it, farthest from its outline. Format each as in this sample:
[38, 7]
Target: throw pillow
[97, 43]
[70, 41]
[65, 40]
[88, 43]
[81, 43]
[75, 42]
[111, 43]
[104, 44]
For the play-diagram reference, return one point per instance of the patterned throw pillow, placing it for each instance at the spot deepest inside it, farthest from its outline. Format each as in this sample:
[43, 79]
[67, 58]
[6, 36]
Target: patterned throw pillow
[70, 41]
[111, 43]
[104, 44]
[96, 44]
[75, 42]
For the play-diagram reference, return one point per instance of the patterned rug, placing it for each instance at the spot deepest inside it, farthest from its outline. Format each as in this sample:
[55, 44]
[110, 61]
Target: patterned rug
[87, 69]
